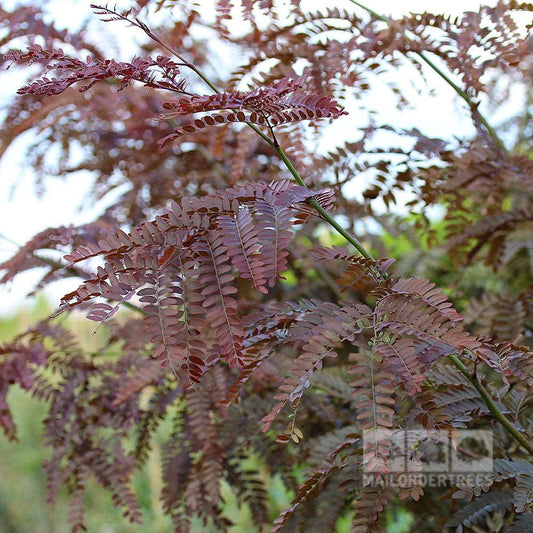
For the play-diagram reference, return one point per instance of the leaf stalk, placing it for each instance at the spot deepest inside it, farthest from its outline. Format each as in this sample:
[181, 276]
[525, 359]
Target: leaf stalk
[474, 106]
[485, 396]
[491, 405]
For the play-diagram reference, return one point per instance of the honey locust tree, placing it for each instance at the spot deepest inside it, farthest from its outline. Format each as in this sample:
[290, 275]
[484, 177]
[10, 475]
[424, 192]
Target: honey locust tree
[251, 296]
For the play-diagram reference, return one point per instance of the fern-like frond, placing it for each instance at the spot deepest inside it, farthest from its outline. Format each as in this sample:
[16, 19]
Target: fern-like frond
[240, 237]
[266, 106]
[94, 70]
[475, 512]
[431, 296]
[373, 394]
[163, 307]
[400, 356]
[17, 363]
[344, 324]
[274, 235]
[307, 490]
[214, 275]
[519, 470]
[146, 373]
[460, 401]
[367, 506]
[412, 317]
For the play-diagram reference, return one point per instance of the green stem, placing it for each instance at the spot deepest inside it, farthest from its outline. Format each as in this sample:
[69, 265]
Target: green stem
[485, 396]
[473, 105]
[489, 402]
[264, 136]
[461, 92]
[371, 11]
[325, 215]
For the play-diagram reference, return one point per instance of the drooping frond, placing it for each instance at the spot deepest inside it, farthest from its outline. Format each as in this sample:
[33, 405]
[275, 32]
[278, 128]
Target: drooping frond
[93, 71]
[343, 324]
[275, 234]
[17, 361]
[240, 237]
[368, 506]
[164, 310]
[306, 491]
[145, 373]
[191, 251]
[373, 394]
[265, 106]
[221, 308]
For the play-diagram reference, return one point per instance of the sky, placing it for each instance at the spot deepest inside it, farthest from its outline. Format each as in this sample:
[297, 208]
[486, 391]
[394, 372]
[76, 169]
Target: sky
[23, 214]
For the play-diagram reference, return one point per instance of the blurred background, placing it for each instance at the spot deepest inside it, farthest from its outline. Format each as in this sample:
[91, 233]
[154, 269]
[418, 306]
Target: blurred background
[437, 112]
[26, 209]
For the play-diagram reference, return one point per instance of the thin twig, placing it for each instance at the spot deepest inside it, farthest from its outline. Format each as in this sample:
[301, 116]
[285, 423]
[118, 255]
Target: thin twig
[272, 142]
[474, 106]
[489, 402]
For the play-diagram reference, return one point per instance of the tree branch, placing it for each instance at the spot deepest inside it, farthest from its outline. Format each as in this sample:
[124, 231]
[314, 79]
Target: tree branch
[461, 92]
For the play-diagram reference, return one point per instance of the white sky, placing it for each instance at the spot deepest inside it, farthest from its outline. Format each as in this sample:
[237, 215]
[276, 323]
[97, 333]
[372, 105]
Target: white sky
[22, 214]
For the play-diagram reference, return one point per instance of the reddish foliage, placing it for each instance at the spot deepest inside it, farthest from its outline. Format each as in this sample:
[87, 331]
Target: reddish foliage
[234, 320]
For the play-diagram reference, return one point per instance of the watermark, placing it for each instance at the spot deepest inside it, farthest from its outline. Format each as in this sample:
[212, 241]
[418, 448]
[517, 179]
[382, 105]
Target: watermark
[428, 458]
